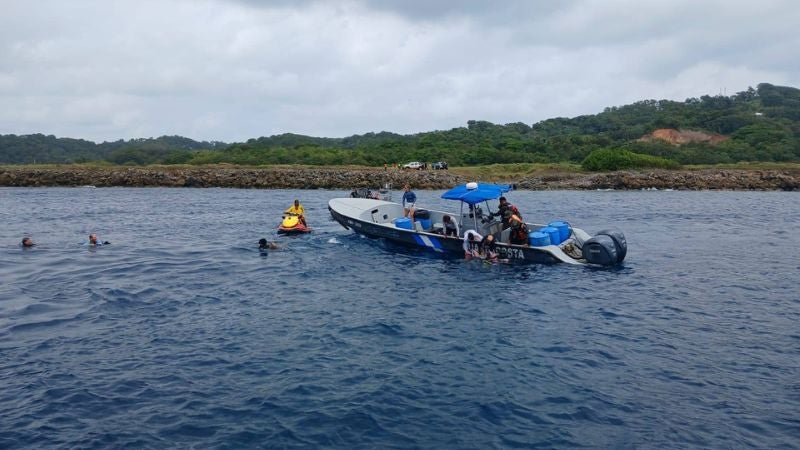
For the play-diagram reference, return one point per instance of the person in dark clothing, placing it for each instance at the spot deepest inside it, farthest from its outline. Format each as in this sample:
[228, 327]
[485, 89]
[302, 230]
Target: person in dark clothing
[501, 208]
[501, 211]
[489, 249]
[264, 245]
[519, 231]
[94, 242]
[450, 227]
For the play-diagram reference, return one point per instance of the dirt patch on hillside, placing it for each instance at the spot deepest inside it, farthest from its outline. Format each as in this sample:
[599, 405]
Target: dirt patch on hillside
[680, 137]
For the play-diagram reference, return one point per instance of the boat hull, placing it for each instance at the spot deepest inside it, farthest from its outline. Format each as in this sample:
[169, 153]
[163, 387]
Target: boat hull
[445, 245]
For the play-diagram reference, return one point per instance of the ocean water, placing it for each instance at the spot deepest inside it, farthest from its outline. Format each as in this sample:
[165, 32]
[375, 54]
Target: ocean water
[180, 334]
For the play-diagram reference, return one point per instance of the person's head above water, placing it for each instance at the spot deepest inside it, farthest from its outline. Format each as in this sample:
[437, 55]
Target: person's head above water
[27, 242]
[263, 244]
[93, 239]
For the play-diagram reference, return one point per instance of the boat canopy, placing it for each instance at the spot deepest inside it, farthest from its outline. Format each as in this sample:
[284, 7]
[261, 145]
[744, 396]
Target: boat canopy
[473, 193]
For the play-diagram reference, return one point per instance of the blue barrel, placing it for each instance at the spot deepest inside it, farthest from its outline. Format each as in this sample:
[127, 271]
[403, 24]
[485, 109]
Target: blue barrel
[403, 222]
[563, 229]
[426, 223]
[555, 235]
[538, 239]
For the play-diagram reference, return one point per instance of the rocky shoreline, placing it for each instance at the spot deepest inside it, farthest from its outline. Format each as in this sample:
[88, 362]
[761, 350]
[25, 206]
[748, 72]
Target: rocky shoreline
[339, 178]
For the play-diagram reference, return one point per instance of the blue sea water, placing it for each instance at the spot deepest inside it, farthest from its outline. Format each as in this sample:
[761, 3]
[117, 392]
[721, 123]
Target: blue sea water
[181, 334]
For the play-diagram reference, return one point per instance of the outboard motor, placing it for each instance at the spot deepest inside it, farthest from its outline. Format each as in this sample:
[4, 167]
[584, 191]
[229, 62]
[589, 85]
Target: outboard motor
[606, 248]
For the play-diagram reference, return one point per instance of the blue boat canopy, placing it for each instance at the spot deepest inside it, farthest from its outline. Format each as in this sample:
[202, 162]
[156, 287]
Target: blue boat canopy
[473, 193]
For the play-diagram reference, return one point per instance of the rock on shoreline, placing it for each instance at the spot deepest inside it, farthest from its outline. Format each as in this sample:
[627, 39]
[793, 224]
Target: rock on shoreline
[326, 178]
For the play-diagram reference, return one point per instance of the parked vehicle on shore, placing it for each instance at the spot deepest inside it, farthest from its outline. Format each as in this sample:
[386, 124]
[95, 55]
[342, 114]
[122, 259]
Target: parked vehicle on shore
[439, 165]
[414, 165]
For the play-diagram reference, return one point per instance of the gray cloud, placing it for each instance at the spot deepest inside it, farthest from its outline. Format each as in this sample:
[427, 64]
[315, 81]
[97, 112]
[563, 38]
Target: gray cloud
[235, 69]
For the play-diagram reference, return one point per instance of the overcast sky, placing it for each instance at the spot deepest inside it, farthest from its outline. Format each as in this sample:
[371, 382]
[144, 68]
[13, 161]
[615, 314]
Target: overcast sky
[236, 69]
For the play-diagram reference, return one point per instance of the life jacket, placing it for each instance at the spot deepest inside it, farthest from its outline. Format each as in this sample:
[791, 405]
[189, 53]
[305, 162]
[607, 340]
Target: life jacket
[518, 228]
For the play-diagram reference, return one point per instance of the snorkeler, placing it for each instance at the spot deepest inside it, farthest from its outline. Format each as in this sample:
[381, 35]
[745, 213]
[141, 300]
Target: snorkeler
[93, 242]
[264, 245]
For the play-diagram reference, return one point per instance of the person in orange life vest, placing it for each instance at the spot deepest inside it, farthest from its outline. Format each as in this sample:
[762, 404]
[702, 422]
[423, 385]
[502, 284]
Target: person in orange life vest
[519, 231]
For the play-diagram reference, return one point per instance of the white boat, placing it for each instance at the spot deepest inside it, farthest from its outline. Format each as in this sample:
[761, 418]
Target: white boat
[385, 220]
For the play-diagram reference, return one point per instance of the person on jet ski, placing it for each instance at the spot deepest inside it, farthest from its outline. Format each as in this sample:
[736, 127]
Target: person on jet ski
[297, 209]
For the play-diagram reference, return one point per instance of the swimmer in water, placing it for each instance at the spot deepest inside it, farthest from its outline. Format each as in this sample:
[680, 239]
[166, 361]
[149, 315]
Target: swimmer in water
[264, 245]
[94, 242]
[27, 242]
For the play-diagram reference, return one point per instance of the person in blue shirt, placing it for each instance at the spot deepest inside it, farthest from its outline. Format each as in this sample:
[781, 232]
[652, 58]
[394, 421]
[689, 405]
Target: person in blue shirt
[409, 200]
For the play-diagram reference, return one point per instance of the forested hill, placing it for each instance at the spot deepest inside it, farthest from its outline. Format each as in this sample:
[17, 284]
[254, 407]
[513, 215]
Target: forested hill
[42, 149]
[761, 124]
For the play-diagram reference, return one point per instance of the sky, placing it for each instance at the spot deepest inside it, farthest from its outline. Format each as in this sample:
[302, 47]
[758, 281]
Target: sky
[231, 70]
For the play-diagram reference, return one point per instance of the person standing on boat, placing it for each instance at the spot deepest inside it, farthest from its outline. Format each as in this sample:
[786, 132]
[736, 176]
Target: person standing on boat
[501, 212]
[298, 210]
[409, 200]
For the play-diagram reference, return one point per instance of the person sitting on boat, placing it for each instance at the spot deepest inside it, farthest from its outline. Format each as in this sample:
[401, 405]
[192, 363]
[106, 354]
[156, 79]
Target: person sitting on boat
[27, 242]
[298, 210]
[519, 231]
[450, 227]
[409, 200]
[471, 244]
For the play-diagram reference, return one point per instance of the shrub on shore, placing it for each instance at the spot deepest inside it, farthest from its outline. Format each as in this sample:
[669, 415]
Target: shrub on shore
[608, 159]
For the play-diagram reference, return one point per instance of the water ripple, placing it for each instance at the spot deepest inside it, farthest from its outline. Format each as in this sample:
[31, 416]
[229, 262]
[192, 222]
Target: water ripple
[182, 334]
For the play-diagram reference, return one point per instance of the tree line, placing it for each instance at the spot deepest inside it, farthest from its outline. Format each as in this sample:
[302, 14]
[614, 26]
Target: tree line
[761, 124]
